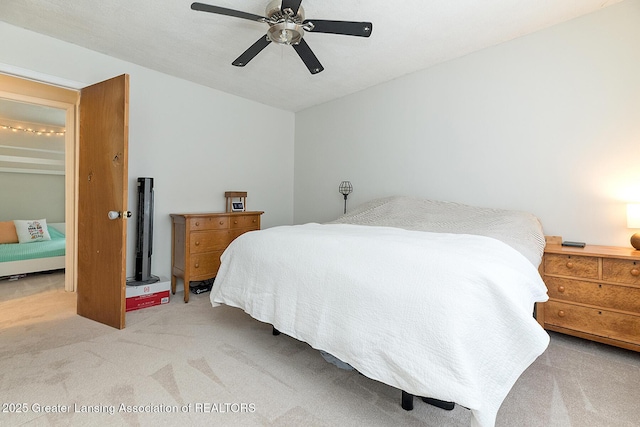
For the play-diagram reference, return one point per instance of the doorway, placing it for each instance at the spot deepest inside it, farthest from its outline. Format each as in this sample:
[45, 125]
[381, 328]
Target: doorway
[27, 92]
[96, 149]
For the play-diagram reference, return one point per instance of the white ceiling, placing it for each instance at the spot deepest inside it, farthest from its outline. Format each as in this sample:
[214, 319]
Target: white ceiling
[410, 35]
[15, 111]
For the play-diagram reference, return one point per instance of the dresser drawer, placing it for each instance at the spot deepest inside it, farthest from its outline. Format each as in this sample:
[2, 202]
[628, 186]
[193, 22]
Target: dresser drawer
[207, 241]
[621, 271]
[208, 223]
[598, 294]
[571, 265]
[204, 265]
[619, 326]
[233, 234]
[245, 221]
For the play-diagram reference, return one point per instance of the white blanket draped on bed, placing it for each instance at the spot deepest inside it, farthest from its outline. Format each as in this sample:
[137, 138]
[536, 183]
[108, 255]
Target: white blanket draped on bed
[447, 316]
[520, 230]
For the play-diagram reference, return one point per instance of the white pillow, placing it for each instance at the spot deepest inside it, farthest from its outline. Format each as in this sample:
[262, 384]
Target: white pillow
[34, 230]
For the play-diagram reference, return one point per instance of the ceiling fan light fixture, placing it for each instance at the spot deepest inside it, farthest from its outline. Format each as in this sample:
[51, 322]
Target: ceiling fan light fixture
[286, 33]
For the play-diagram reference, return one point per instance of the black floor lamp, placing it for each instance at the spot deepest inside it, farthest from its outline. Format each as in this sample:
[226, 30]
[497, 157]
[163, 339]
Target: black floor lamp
[345, 189]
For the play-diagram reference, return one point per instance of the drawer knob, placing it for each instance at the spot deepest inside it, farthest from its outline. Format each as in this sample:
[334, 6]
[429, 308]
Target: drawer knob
[235, 222]
[254, 220]
[561, 289]
[197, 223]
[221, 222]
[569, 264]
[197, 243]
[561, 313]
[197, 265]
[635, 272]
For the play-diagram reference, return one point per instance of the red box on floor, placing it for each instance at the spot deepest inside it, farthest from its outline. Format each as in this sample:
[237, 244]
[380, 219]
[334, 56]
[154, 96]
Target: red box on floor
[147, 295]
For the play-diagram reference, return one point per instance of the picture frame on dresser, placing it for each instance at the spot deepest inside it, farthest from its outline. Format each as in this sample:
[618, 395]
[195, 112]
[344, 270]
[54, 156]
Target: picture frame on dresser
[594, 293]
[198, 240]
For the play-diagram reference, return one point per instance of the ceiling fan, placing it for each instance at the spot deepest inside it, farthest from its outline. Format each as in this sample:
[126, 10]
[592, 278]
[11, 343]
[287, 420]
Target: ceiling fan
[286, 27]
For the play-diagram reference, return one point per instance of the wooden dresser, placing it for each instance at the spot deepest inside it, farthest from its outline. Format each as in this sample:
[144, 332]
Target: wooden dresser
[200, 238]
[594, 293]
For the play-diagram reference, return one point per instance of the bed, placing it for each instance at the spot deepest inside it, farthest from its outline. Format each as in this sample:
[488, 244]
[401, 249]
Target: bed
[433, 298]
[23, 258]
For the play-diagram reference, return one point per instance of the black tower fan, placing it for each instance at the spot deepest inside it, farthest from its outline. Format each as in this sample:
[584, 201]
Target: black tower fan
[144, 243]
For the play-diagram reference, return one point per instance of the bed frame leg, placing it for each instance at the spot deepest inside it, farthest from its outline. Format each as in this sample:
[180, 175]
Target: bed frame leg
[407, 401]
[275, 331]
[447, 406]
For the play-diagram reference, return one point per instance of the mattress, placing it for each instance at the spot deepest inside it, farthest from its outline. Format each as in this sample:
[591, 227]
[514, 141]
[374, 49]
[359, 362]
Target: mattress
[46, 249]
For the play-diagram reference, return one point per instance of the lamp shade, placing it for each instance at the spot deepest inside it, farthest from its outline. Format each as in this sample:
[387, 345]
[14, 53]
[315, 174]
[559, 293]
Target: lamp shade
[345, 188]
[633, 215]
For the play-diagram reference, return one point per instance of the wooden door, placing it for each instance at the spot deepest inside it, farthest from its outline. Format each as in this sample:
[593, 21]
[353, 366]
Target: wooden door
[102, 187]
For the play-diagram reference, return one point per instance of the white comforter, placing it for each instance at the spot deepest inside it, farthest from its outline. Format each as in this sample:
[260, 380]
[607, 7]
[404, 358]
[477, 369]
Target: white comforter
[447, 316]
[520, 230]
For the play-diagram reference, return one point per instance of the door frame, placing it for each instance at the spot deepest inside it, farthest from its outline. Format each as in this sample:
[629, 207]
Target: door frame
[36, 88]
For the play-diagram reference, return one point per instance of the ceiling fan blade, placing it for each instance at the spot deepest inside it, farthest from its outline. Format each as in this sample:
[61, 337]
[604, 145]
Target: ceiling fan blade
[294, 5]
[308, 57]
[347, 28]
[224, 11]
[250, 53]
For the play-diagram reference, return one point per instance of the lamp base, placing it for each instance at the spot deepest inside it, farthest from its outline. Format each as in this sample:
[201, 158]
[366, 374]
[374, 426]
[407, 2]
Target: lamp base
[635, 241]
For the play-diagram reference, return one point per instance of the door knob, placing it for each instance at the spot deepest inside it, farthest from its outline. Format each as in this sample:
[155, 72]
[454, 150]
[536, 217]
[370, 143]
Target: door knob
[115, 214]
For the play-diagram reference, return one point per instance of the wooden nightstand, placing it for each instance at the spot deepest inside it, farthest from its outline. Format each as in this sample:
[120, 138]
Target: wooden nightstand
[594, 293]
[200, 238]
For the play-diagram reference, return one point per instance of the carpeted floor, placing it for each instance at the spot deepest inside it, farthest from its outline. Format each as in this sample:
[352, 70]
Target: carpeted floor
[191, 364]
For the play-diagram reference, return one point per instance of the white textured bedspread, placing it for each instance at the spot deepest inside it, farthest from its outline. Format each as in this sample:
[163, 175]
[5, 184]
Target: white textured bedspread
[447, 316]
[520, 230]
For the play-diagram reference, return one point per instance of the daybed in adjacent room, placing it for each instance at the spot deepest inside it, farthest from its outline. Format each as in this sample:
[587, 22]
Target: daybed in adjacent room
[433, 298]
[43, 255]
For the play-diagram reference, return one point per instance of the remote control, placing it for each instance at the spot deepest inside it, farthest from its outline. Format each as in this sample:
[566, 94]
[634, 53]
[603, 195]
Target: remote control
[573, 244]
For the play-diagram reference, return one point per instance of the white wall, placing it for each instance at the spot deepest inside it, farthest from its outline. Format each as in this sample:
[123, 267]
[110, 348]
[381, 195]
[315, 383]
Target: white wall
[194, 141]
[548, 123]
[31, 196]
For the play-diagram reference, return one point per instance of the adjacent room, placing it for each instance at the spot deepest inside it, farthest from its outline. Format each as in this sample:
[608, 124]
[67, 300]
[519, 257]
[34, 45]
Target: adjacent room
[455, 183]
[32, 149]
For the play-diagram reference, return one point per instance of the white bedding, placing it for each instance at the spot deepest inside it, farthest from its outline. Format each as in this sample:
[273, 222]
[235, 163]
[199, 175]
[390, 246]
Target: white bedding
[520, 230]
[448, 316]
[25, 266]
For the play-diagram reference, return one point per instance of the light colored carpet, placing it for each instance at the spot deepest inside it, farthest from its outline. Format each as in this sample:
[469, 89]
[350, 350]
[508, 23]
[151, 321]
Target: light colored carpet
[218, 366]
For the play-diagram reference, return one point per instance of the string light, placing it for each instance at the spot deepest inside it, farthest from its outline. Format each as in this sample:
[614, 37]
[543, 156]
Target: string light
[33, 131]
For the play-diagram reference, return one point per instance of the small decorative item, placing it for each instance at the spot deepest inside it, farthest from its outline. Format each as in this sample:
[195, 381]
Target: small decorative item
[239, 205]
[633, 221]
[345, 189]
